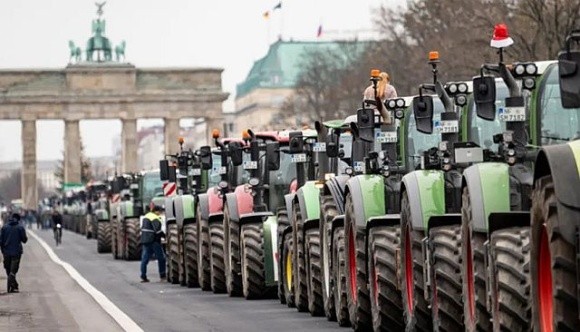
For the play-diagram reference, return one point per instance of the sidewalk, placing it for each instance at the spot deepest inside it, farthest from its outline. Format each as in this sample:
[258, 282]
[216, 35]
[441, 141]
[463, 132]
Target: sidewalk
[49, 299]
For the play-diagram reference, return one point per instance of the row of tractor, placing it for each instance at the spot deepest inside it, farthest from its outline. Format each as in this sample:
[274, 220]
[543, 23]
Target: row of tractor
[454, 209]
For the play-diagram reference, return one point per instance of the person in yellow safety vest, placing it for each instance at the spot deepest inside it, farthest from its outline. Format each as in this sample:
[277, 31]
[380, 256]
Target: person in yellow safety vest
[151, 234]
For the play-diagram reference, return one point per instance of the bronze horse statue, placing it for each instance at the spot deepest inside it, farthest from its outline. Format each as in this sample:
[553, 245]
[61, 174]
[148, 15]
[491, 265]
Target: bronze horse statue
[120, 51]
[99, 43]
[75, 52]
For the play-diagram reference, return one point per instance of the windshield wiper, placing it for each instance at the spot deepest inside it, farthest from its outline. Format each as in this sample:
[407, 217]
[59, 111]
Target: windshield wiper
[557, 138]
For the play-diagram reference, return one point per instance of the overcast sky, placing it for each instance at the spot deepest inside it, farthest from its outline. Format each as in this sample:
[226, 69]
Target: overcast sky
[229, 34]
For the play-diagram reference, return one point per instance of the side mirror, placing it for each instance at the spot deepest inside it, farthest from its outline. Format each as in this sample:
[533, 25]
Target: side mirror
[568, 65]
[423, 112]
[172, 174]
[164, 169]
[296, 142]
[484, 96]
[273, 156]
[205, 157]
[235, 151]
[332, 149]
[365, 121]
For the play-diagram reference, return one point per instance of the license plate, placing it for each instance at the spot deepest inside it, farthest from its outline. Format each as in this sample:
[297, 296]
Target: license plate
[319, 147]
[386, 137]
[298, 158]
[359, 167]
[512, 113]
[195, 172]
[448, 126]
[250, 165]
[222, 170]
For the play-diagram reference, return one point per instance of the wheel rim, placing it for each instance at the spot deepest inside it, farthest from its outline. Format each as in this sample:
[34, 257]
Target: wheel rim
[409, 270]
[545, 282]
[289, 268]
[352, 264]
[470, 283]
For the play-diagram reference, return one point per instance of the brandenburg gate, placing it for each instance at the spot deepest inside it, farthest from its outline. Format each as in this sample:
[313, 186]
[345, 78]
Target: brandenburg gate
[101, 88]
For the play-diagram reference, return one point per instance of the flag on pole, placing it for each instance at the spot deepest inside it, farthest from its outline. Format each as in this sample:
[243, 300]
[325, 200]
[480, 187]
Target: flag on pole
[319, 32]
[266, 14]
[278, 6]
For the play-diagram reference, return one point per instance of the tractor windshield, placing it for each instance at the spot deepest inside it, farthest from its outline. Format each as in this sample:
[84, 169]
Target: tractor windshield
[419, 142]
[152, 185]
[481, 131]
[557, 124]
[214, 172]
[280, 180]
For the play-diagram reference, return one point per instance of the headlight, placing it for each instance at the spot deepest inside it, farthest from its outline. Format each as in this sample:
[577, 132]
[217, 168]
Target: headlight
[531, 69]
[443, 146]
[400, 102]
[254, 182]
[446, 160]
[462, 87]
[223, 184]
[392, 103]
[529, 83]
[520, 70]
[349, 171]
[461, 100]
[452, 88]
[511, 152]
[399, 114]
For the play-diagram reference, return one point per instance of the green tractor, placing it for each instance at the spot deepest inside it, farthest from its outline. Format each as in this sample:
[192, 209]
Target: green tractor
[96, 193]
[191, 178]
[555, 214]
[139, 190]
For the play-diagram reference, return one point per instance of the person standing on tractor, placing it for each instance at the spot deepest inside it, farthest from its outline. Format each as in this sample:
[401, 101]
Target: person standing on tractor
[151, 234]
[12, 236]
[379, 94]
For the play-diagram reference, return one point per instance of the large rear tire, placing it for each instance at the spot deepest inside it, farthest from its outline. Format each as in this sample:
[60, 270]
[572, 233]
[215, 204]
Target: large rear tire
[553, 265]
[446, 305]
[359, 306]
[122, 239]
[313, 264]
[327, 214]
[133, 239]
[218, 276]
[114, 248]
[283, 222]
[173, 253]
[252, 256]
[385, 294]
[416, 310]
[473, 272]
[232, 255]
[510, 279]
[339, 275]
[300, 278]
[190, 253]
[287, 267]
[104, 238]
[203, 253]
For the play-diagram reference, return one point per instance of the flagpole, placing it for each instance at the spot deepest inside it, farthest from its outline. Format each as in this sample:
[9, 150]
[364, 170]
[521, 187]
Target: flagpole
[281, 23]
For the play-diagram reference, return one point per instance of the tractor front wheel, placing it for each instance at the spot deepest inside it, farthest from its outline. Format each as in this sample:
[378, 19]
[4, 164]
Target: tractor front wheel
[218, 277]
[190, 253]
[252, 256]
[104, 238]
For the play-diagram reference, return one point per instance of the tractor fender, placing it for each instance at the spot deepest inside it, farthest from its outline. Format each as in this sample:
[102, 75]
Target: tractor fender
[563, 163]
[169, 210]
[309, 201]
[336, 187]
[270, 240]
[368, 197]
[187, 210]
[426, 191]
[203, 201]
[489, 192]
[232, 205]
[127, 209]
[215, 203]
[289, 200]
[244, 200]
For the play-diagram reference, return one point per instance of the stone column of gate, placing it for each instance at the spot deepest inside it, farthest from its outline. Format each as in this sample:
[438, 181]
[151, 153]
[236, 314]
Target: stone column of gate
[28, 178]
[129, 141]
[210, 125]
[72, 152]
[171, 136]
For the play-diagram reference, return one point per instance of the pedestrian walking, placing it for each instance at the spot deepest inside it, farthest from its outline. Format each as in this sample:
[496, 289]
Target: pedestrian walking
[12, 236]
[151, 234]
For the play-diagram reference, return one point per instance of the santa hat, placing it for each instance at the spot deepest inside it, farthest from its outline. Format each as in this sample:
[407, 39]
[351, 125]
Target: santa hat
[501, 36]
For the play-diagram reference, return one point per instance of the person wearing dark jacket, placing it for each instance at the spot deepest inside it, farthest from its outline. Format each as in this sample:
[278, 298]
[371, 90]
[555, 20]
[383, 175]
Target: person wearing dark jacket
[12, 236]
[151, 235]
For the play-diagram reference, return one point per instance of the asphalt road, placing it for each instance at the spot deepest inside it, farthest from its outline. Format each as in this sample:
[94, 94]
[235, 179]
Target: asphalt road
[156, 306]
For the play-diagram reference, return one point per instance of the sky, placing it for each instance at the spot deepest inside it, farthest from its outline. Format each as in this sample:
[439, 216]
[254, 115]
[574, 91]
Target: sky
[228, 34]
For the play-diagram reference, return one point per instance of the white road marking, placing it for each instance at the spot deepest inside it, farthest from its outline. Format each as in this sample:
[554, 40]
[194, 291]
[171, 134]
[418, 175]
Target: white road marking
[118, 315]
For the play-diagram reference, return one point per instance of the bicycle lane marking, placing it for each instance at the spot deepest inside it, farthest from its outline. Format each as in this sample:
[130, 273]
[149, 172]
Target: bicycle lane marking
[118, 315]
